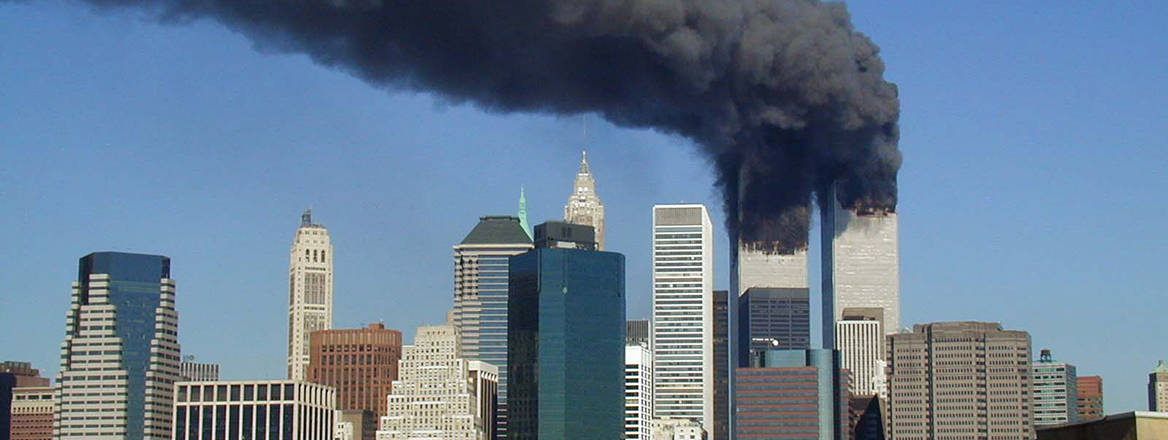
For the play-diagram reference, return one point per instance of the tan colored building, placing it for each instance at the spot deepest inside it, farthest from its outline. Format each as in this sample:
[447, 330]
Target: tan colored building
[1158, 388]
[968, 380]
[32, 413]
[361, 364]
[440, 395]
[584, 206]
[1127, 426]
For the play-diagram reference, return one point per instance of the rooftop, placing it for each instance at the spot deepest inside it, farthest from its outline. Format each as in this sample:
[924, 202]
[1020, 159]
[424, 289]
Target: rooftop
[497, 230]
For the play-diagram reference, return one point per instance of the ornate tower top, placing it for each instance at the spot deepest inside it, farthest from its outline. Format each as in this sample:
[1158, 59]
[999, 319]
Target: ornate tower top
[584, 206]
[306, 218]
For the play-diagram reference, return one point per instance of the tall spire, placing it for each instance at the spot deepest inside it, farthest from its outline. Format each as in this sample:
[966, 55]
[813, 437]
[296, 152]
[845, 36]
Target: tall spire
[523, 213]
[584, 163]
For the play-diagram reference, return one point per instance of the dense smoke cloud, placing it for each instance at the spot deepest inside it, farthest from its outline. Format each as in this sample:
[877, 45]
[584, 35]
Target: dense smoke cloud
[784, 96]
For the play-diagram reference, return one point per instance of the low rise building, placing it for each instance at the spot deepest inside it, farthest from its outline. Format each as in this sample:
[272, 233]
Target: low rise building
[1127, 426]
[32, 413]
[254, 410]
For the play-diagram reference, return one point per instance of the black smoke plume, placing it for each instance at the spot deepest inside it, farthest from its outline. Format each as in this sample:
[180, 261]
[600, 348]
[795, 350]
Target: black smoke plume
[784, 96]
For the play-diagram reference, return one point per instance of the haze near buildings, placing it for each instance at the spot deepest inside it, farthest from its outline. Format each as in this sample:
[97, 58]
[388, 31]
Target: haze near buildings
[120, 357]
[310, 291]
[584, 206]
[683, 327]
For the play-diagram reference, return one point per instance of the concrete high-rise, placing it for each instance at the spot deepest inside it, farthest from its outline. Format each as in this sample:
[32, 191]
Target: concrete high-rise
[966, 380]
[1090, 397]
[860, 342]
[254, 410]
[310, 291]
[189, 370]
[361, 364]
[584, 206]
[638, 392]
[120, 356]
[1158, 388]
[437, 395]
[1055, 391]
[771, 318]
[637, 332]
[683, 313]
[860, 265]
[480, 294]
[566, 345]
[32, 413]
[793, 394]
[756, 267]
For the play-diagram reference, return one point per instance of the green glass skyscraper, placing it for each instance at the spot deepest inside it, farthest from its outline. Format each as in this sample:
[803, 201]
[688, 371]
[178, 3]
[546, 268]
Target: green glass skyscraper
[566, 338]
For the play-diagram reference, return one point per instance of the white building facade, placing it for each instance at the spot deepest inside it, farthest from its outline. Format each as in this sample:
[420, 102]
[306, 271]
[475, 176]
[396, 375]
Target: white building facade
[1055, 391]
[198, 371]
[862, 251]
[120, 356]
[638, 392]
[584, 206]
[310, 291]
[683, 303]
[860, 342]
[438, 393]
[254, 410]
[758, 268]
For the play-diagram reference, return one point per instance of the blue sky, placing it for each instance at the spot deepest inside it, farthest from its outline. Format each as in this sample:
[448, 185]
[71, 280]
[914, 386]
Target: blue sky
[1032, 191]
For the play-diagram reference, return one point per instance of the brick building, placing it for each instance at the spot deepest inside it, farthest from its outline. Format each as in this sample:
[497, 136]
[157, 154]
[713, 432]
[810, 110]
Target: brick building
[361, 364]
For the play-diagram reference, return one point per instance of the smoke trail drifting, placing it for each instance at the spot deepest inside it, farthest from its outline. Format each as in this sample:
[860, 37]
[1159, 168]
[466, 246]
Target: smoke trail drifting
[784, 96]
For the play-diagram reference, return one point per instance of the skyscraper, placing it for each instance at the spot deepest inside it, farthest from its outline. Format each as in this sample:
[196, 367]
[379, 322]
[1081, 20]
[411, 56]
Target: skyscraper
[683, 313]
[720, 428]
[755, 267]
[793, 394]
[1158, 388]
[637, 332]
[638, 392]
[584, 206]
[310, 291]
[566, 350]
[254, 410]
[1090, 397]
[946, 377]
[1055, 391]
[772, 318]
[361, 364]
[120, 357]
[861, 265]
[436, 395]
[480, 294]
[860, 342]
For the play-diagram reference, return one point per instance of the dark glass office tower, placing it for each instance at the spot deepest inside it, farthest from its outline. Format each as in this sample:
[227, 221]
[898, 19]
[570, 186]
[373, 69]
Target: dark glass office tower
[566, 339]
[772, 319]
[120, 357]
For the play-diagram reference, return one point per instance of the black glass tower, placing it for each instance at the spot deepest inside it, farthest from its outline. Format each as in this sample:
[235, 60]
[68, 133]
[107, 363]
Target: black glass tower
[566, 345]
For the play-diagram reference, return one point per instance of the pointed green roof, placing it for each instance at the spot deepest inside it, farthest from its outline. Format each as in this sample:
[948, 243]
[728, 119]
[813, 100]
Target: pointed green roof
[523, 214]
[503, 229]
[1161, 368]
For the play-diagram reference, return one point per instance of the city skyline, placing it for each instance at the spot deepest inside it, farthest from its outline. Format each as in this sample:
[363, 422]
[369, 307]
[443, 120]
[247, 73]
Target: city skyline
[230, 287]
